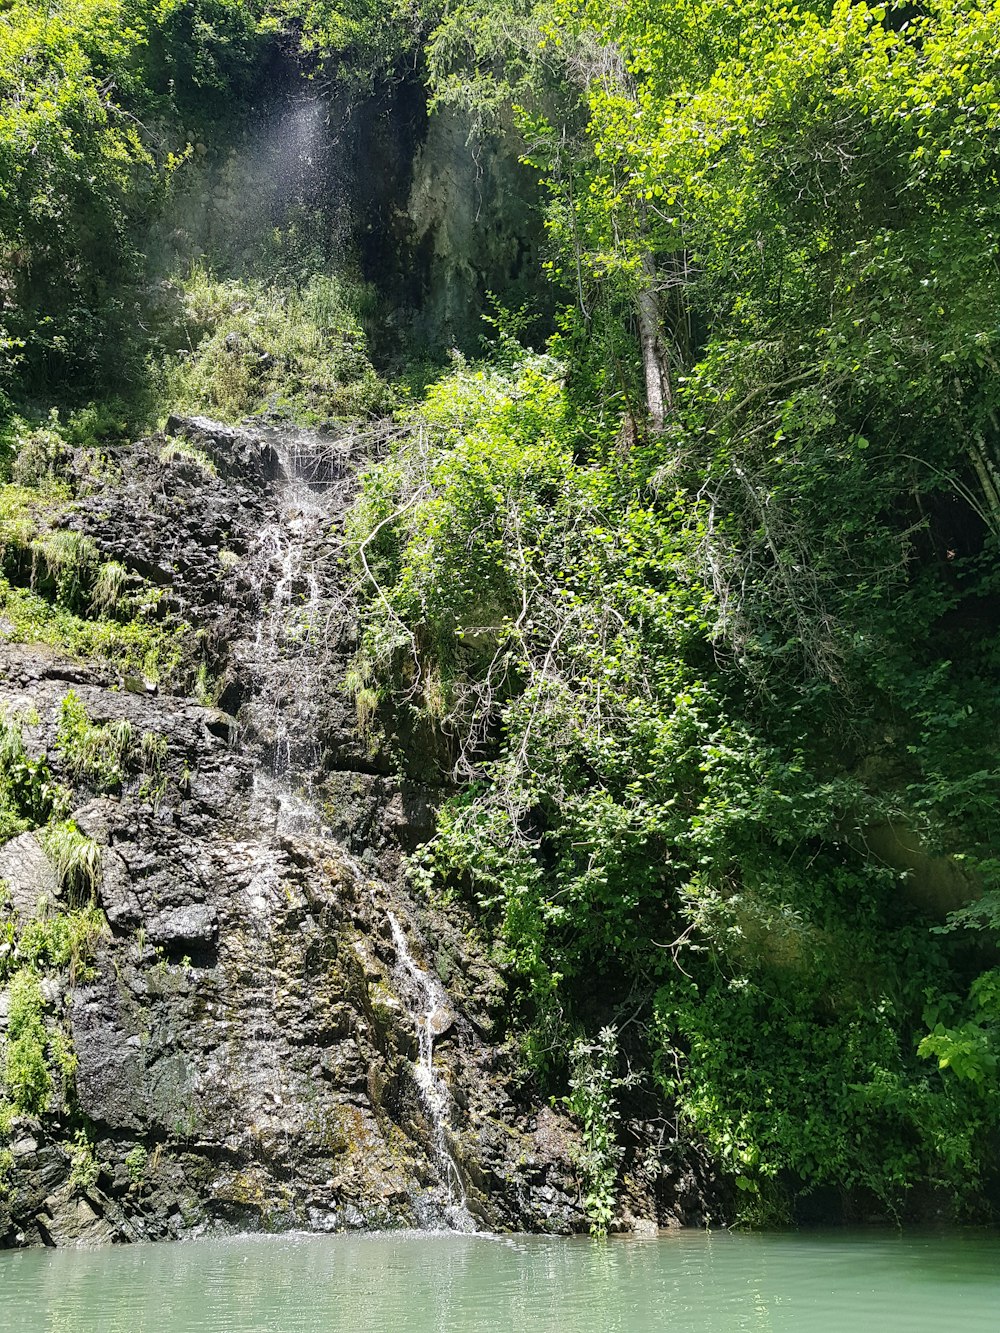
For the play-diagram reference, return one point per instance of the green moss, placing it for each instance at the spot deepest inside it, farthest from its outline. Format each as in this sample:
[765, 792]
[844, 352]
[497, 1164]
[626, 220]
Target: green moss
[334, 1129]
[246, 1188]
[61, 940]
[25, 1069]
[139, 646]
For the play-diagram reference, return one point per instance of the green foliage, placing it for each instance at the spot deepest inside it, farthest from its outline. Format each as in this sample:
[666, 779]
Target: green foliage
[593, 1083]
[28, 795]
[650, 830]
[152, 758]
[136, 1160]
[109, 585]
[75, 858]
[791, 206]
[139, 646]
[24, 513]
[25, 1070]
[64, 566]
[55, 589]
[206, 50]
[487, 57]
[59, 940]
[249, 348]
[84, 1167]
[969, 1048]
[75, 169]
[96, 755]
[40, 452]
[359, 43]
[182, 451]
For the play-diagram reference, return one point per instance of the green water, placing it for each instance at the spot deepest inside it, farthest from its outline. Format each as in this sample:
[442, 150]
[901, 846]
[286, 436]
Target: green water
[697, 1283]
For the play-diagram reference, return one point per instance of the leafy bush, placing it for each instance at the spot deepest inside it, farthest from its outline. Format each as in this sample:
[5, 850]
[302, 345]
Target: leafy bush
[63, 939]
[25, 1070]
[136, 1160]
[41, 453]
[593, 1083]
[96, 754]
[250, 348]
[84, 1167]
[78, 171]
[649, 832]
[28, 794]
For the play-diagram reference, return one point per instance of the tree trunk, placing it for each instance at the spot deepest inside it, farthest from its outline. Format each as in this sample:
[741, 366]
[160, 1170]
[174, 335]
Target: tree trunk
[655, 357]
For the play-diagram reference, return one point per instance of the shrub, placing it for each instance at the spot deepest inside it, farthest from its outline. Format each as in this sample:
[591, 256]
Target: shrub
[28, 795]
[84, 1167]
[593, 1083]
[26, 1073]
[96, 754]
[61, 940]
[75, 858]
[248, 348]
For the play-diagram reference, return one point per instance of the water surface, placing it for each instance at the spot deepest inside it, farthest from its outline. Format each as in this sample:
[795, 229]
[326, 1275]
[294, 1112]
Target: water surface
[690, 1281]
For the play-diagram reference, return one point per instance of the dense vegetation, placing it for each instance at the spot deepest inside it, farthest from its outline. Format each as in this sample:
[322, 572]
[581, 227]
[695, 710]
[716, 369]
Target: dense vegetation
[702, 596]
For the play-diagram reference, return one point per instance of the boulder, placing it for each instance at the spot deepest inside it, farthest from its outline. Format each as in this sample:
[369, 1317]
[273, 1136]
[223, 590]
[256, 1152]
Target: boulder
[27, 871]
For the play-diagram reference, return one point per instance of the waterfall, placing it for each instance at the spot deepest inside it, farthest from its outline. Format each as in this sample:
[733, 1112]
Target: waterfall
[294, 676]
[430, 1022]
[297, 604]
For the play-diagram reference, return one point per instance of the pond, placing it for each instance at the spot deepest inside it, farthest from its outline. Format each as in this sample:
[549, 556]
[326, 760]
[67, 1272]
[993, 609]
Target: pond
[690, 1281]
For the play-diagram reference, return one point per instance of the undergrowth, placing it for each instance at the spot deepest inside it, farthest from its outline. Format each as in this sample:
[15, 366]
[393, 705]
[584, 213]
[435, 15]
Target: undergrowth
[240, 348]
[54, 587]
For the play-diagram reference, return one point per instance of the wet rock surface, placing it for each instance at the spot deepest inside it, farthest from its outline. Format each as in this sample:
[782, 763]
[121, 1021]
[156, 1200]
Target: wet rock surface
[248, 1041]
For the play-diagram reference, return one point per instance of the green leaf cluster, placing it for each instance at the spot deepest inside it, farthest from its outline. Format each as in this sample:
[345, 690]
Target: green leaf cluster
[657, 827]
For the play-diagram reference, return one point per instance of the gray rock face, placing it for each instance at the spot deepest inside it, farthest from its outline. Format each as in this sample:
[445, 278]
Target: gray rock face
[474, 211]
[26, 870]
[253, 1050]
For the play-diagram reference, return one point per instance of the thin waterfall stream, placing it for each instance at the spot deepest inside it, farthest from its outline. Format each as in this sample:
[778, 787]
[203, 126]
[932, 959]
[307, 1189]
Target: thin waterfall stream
[301, 602]
[297, 606]
[434, 1020]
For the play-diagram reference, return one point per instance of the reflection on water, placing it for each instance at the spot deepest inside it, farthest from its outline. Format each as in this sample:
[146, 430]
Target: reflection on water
[691, 1282]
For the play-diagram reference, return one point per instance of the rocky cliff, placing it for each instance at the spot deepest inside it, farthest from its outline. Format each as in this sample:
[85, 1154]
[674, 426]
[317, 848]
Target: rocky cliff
[268, 1029]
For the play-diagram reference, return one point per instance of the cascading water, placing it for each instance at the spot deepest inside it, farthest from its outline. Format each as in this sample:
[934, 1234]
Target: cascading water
[434, 1020]
[297, 605]
[293, 679]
